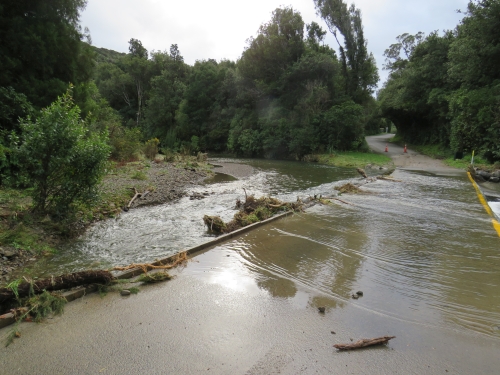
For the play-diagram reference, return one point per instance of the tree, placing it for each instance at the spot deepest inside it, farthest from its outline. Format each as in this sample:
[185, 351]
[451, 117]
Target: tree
[359, 69]
[416, 96]
[136, 49]
[42, 48]
[278, 45]
[138, 66]
[13, 106]
[62, 159]
[166, 93]
[474, 56]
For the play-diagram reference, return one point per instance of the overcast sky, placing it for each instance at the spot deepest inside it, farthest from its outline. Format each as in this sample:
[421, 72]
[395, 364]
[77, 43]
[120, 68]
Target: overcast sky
[219, 29]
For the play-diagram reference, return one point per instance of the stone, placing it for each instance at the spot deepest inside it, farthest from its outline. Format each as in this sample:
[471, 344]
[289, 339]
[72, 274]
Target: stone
[321, 309]
[125, 292]
[483, 174]
[494, 179]
[359, 292]
[9, 254]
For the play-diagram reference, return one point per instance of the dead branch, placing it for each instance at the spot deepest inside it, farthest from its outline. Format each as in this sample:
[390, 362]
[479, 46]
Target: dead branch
[340, 200]
[387, 179]
[277, 205]
[137, 194]
[174, 262]
[364, 343]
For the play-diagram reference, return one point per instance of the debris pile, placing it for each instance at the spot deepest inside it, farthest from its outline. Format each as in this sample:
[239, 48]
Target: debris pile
[252, 211]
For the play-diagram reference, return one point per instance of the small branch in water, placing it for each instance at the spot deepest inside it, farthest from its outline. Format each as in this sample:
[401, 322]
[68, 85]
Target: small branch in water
[363, 343]
[340, 200]
[387, 179]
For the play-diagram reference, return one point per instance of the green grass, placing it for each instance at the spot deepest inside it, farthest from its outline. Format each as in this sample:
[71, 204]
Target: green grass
[354, 159]
[139, 175]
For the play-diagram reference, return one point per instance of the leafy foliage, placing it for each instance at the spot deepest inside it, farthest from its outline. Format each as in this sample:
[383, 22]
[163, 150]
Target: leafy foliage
[447, 89]
[62, 159]
[42, 48]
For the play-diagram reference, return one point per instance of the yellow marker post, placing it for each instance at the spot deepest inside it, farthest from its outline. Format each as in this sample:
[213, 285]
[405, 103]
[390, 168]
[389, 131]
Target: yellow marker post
[496, 224]
[472, 160]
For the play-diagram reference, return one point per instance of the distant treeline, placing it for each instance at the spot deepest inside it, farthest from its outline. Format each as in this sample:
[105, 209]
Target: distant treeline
[446, 89]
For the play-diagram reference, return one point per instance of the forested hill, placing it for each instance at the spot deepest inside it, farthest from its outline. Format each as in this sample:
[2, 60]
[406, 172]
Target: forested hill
[104, 55]
[288, 95]
[445, 89]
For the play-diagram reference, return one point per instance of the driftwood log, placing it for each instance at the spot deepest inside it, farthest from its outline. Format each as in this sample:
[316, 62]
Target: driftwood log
[137, 194]
[363, 343]
[57, 283]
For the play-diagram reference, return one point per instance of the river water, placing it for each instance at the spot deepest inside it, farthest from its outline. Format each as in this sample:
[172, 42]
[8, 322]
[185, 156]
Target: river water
[422, 249]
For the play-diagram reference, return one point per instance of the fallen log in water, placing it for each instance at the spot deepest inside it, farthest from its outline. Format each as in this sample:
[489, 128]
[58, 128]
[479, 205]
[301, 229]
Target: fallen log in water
[69, 281]
[363, 343]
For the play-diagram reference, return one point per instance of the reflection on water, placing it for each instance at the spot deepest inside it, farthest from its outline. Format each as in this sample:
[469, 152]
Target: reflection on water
[421, 250]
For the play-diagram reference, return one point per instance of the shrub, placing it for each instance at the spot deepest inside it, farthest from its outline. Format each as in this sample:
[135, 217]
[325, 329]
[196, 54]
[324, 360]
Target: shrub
[125, 143]
[151, 148]
[62, 159]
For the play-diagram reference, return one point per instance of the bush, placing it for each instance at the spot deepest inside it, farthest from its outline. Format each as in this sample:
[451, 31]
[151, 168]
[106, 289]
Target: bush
[62, 159]
[125, 143]
[151, 148]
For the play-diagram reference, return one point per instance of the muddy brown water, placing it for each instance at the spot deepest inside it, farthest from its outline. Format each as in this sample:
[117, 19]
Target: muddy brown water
[422, 250]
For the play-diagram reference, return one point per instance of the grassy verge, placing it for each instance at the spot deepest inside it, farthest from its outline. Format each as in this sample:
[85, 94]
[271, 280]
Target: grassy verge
[447, 156]
[354, 159]
[18, 228]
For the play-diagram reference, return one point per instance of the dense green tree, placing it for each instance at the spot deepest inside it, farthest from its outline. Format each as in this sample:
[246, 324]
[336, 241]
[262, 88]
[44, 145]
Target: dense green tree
[166, 93]
[278, 45]
[13, 106]
[415, 98]
[474, 57]
[62, 159]
[42, 49]
[205, 100]
[445, 89]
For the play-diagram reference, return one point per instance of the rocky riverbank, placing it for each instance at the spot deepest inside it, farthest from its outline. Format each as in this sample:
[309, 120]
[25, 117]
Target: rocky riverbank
[483, 176]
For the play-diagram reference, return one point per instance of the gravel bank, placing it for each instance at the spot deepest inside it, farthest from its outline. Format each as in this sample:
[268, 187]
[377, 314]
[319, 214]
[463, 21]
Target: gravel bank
[165, 181]
[234, 169]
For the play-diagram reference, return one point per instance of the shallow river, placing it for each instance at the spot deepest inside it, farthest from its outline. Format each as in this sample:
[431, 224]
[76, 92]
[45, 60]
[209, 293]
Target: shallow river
[422, 250]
